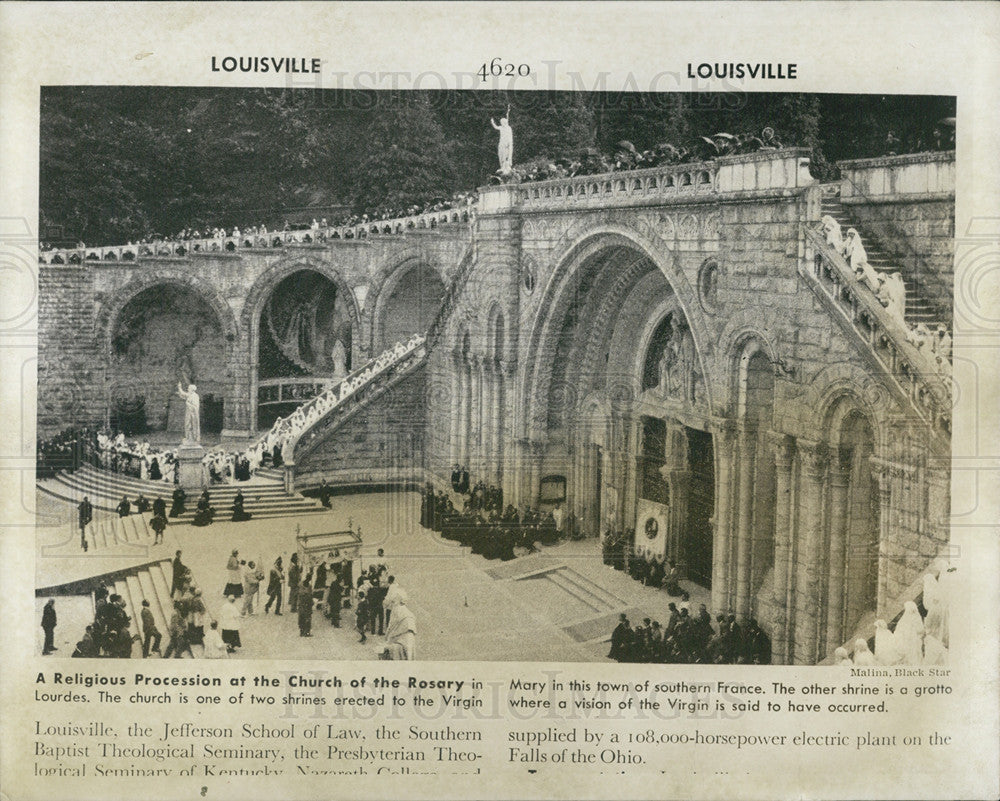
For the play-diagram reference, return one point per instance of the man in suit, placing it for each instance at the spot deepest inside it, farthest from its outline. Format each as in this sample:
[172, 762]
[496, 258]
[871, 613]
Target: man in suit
[49, 626]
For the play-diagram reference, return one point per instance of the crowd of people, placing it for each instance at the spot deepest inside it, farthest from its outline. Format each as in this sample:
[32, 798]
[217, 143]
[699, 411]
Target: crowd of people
[919, 637]
[222, 239]
[285, 431]
[484, 524]
[627, 157]
[888, 288]
[690, 639]
[618, 551]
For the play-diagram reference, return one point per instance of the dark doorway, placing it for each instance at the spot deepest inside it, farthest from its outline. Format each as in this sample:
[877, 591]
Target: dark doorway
[211, 414]
[696, 541]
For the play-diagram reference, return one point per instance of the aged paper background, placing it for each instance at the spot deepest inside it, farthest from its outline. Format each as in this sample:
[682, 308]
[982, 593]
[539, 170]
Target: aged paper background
[891, 48]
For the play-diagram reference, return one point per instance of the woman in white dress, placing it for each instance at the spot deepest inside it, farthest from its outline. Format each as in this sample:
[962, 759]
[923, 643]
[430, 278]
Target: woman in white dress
[834, 238]
[862, 656]
[910, 634]
[856, 256]
[934, 622]
[886, 652]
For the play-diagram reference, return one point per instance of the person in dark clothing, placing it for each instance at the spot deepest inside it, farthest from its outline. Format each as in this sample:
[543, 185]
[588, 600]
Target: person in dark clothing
[124, 508]
[159, 525]
[274, 582]
[204, 514]
[324, 495]
[621, 640]
[361, 616]
[150, 633]
[305, 607]
[239, 514]
[154, 470]
[177, 505]
[180, 575]
[376, 608]
[294, 582]
[86, 512]
[49, 626]
[141, 504]
[159, 507]
[334, 602]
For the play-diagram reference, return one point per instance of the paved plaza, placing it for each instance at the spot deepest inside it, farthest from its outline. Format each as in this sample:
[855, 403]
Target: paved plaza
[557, 605]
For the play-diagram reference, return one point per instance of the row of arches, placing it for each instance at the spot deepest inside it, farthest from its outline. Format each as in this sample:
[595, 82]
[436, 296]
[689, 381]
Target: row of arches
[299, 321]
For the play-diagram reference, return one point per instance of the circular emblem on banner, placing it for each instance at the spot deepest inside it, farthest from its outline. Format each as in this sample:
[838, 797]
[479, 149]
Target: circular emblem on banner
[652, 528]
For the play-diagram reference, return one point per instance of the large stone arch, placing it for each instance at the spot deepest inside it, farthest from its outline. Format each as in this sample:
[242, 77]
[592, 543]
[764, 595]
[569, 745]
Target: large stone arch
[164, 315]
[557, 294]
[266, 283]
[109, 313]
[838, 383]
[253, 307]
[380, 296]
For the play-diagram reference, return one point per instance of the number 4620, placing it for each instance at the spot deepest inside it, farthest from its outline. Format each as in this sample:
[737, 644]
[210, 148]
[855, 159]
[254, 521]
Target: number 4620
[498, 69]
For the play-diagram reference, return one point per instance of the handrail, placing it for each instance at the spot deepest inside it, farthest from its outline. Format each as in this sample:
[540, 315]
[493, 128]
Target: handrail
[230, 243]
[900, 246]
[338, 393]
[913, 372]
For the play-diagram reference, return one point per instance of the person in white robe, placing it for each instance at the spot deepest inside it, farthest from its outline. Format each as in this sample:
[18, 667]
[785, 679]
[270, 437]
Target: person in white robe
[933, 603]
[215, 648]
[840, 657]
[934, 651]
[403, 629]
[834, 237]
[854, 253]
[892, 294]
[862, 656]
[886, 652]
[909, 635]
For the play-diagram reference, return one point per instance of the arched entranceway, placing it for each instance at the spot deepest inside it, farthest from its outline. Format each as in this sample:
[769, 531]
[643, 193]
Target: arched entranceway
[851, 586]
[305, 338]
[165, 334]
[620, 405]
[407, 304]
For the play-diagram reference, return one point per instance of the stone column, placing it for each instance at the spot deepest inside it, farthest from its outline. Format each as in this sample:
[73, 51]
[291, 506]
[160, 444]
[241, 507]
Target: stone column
[455, 407]
[722, 440]
[475, 418]
[783, 456]
[882, 475]
[809, 568]
[486, 405]
[839, 474]
[744, 527]
[497, 415]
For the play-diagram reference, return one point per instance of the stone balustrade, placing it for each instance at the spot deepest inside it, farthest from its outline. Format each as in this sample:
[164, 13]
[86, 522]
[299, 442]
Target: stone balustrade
[231, 244]
[918, 375]
[626, 187]
[291, 390]
[336, 394]
[928, 175]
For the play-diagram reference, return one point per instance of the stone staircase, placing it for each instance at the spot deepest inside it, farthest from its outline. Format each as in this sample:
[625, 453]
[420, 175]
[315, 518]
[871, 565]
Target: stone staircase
[265, 497]
[150, 583]
[919, 309]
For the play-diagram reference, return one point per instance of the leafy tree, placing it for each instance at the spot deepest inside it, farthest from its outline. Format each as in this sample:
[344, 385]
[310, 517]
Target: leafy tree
[406, 160]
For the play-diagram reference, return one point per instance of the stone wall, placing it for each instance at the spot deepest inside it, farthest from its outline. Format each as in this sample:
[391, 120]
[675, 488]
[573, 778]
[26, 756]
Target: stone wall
[383, 441]
[907, 204]
[70, 360]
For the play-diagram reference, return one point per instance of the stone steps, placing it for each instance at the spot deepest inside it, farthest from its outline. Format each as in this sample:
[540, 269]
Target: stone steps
[918, 308]
[598, 598]
[105, 491]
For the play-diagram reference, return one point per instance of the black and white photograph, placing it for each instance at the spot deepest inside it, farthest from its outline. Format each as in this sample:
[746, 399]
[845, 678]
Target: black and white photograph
[532, 376]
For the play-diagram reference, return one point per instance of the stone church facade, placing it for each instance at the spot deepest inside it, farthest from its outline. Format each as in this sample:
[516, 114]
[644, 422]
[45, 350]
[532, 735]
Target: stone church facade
[675, 351]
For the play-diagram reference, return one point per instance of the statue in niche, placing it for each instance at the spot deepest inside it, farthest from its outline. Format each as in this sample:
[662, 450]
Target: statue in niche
[678, 362]
[339, 357]
[668, 359]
